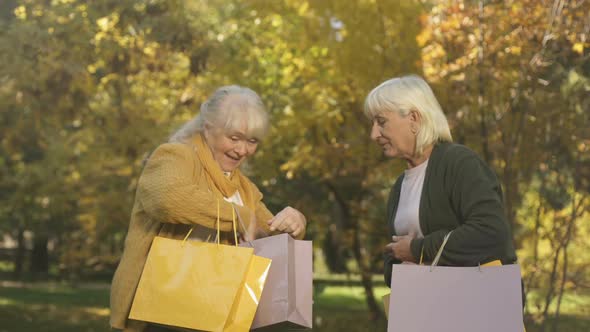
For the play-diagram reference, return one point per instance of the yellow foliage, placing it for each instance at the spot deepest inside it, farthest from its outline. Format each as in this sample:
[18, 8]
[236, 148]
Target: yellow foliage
[124, 171]
[75, 176]
[61, 2]
[276, 21]
[91, 68]
[424, 37]
[303, 8]
[578, 48]
[516, 50]
[21, 12]
[37, 11]
[149, 51]
[108, 22]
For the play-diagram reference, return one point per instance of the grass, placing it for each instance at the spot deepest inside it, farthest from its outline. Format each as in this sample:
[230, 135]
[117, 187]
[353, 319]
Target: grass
[341, 308]
[6, 266]
[60, 307]
[49, 307]
[575, 312]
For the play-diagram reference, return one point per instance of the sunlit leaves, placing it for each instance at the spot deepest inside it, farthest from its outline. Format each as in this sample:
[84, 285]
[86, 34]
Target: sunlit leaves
[513, 77]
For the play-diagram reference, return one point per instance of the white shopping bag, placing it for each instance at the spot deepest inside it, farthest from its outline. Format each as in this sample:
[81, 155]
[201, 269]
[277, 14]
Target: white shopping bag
[455, 299]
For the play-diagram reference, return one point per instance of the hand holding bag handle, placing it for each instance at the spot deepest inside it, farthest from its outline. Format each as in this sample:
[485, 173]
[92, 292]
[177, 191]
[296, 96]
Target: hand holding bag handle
[440, 251]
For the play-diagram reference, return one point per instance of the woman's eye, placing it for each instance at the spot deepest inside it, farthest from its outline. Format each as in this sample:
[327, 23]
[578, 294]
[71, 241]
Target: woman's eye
[234, 138]
[253, 141]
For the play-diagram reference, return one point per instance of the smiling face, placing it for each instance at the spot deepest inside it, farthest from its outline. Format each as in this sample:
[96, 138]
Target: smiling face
[230, 147]
[235, 121]
[396, 134]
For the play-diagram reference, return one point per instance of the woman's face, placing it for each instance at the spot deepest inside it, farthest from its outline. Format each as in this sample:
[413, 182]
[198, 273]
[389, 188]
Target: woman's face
[395, 134]
[230, 148]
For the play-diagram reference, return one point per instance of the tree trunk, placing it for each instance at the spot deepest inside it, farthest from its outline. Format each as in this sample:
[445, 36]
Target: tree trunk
[19, 257]
[549, 297]
[333, 253]
[483, 126]
[566, 242]
[40, 257]
[367, 282]
[531, 279]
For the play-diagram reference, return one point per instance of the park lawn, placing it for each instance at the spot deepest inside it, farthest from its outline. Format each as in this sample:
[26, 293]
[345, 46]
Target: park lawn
[55, 307]
[574, 312]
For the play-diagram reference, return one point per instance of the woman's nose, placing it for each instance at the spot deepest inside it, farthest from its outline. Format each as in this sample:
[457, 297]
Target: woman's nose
[375, 133]
[241, 148]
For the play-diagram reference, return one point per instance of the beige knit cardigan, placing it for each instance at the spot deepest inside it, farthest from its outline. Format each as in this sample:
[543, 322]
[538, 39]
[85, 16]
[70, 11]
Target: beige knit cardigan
[172, 196]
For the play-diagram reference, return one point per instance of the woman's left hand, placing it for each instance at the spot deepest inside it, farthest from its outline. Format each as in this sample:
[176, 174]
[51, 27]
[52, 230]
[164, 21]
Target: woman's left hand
[289, 220]
[400, 247]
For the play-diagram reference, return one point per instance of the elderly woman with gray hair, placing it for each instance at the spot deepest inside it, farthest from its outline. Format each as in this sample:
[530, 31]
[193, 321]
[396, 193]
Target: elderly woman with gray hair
[184, 179]
[446, 187]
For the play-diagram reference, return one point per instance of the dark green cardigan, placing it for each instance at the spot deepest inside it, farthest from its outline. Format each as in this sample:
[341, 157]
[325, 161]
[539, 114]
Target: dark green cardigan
[460, 193]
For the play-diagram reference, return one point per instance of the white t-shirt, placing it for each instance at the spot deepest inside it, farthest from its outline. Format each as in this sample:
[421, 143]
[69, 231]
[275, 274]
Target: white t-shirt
[407, 217]
[235, 198]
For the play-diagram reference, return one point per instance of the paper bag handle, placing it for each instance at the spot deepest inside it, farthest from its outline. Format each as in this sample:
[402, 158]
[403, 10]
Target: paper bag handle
[247, 233]
[440, 250]
[233, 217]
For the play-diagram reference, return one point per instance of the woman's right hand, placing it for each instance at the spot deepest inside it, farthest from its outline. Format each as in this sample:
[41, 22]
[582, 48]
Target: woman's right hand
[400, 249]
[290, 221]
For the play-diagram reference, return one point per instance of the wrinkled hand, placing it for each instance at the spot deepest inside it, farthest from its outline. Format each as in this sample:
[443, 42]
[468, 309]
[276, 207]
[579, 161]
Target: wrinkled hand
[399, 248]
[290, 221]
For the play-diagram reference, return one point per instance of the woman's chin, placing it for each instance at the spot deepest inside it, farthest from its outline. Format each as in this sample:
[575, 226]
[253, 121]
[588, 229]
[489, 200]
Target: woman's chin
[389, 153]
[230, 166]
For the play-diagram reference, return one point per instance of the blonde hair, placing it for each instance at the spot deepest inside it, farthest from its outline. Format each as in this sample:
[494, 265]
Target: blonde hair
[407, 93]
[228, 108]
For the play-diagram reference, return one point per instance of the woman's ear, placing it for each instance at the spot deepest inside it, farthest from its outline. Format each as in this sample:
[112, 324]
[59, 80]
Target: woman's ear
[415, 117]
[415, 121]
[207, 132]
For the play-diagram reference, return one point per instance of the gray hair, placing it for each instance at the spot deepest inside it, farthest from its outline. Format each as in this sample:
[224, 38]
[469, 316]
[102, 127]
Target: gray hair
[228, 108]
[407, 93]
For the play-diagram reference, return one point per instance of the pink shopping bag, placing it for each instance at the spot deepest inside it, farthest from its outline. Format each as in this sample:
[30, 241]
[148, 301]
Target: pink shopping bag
[287, 299]
[457, 299]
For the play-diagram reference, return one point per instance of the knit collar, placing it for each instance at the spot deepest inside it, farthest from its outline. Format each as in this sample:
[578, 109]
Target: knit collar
[227, 185]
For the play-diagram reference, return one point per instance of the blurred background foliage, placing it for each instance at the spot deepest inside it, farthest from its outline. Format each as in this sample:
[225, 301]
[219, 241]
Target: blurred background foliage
[89, 88]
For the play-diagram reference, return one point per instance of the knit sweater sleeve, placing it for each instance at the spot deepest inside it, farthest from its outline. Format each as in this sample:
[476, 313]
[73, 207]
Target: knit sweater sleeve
[475, 196]
[168, 192]
[263, 215]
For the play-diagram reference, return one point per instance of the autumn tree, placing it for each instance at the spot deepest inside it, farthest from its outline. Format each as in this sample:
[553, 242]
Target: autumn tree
[513, 76]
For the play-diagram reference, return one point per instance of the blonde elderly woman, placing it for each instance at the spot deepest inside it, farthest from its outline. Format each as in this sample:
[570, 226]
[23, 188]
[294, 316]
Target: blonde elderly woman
[446, 186]
[182, 181]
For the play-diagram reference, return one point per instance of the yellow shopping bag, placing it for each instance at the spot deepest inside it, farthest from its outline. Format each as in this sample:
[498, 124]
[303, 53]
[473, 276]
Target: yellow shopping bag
[201, 286]
[244, 308]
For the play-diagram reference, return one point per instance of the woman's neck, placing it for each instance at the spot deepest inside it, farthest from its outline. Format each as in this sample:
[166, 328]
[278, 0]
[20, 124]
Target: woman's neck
[415, 161]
